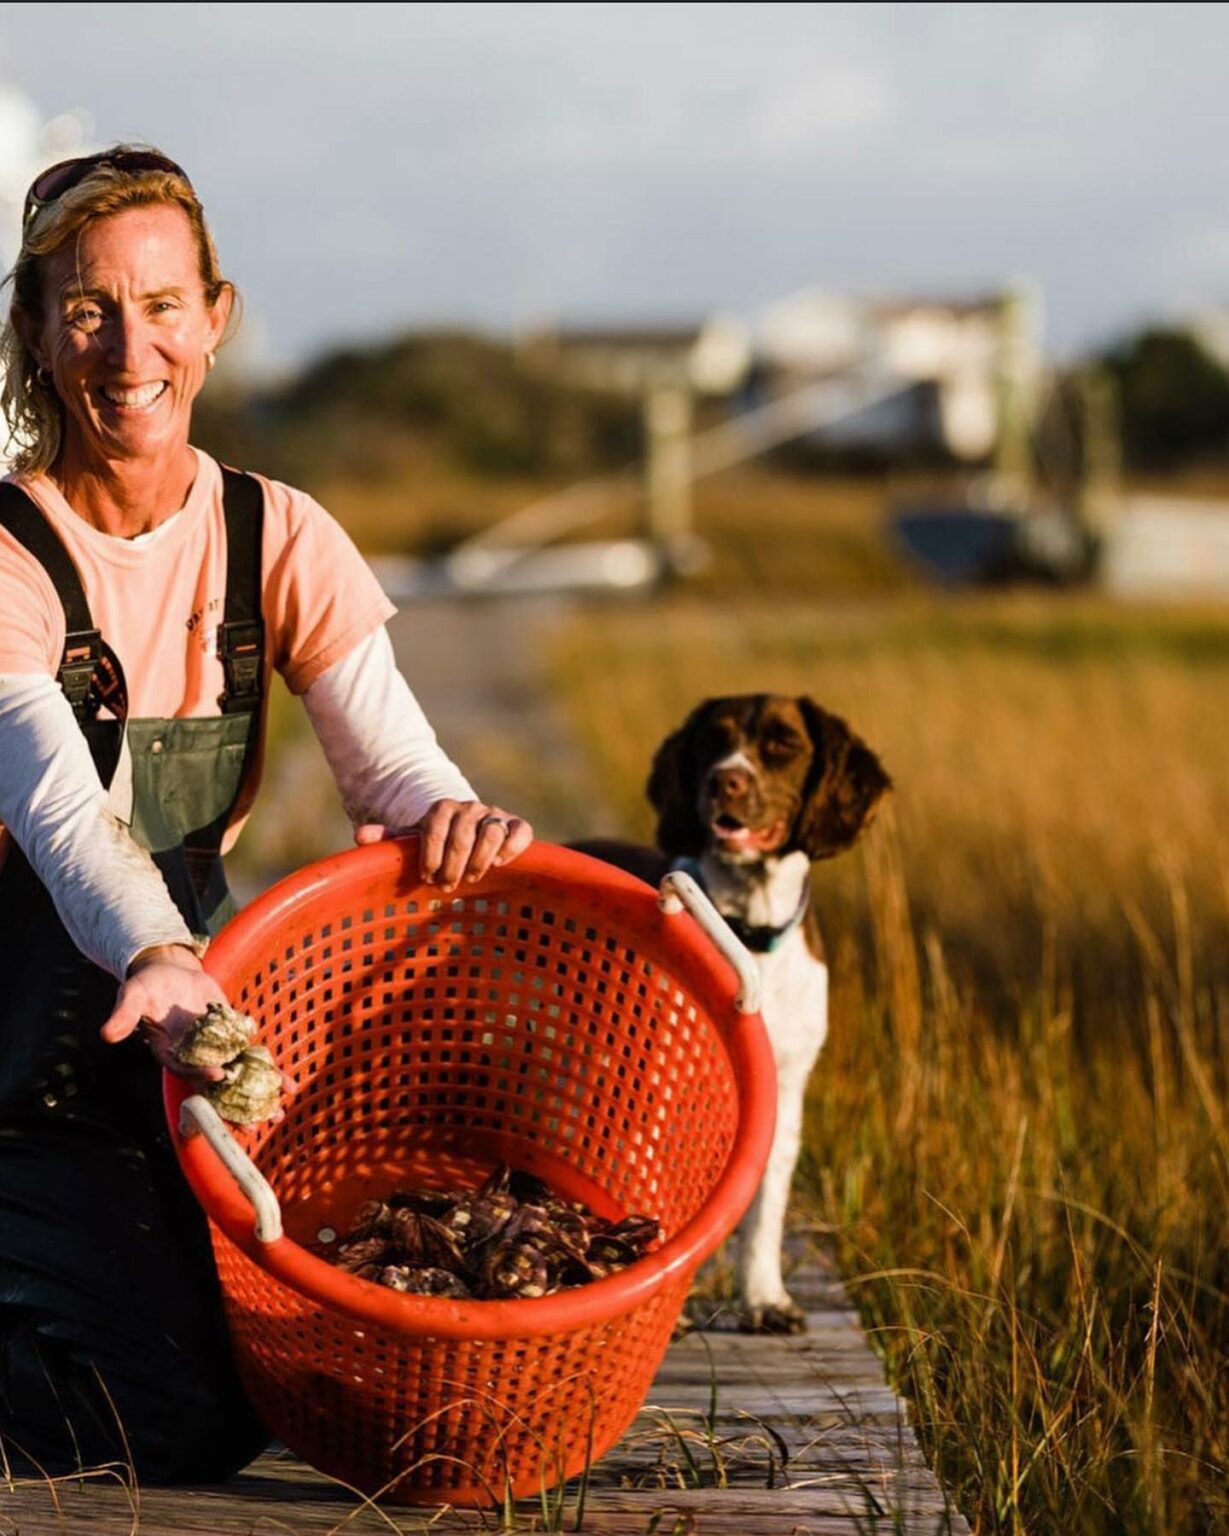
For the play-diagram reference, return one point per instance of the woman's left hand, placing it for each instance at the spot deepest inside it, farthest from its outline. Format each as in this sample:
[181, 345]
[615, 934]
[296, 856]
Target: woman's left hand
[461, 840]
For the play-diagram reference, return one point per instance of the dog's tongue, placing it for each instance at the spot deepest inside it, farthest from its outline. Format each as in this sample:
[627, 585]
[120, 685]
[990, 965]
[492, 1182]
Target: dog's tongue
[748, 840]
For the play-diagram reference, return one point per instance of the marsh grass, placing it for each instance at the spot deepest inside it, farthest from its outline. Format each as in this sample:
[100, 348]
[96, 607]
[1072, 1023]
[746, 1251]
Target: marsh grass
[1017, 1139]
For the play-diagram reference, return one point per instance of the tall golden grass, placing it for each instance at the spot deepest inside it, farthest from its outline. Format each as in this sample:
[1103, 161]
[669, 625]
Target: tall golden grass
[1017, 1134]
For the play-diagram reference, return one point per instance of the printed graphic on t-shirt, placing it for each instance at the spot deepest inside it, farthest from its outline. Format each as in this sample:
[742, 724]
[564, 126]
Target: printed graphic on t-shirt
[204, 622]
[199, 614]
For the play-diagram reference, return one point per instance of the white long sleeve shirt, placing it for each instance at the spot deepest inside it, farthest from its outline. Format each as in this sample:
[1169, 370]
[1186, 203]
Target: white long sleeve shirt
[107, 890]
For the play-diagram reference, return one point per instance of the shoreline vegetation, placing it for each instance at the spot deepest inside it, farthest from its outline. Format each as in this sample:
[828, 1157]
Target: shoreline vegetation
[1017, 1139]
[1016, 1136]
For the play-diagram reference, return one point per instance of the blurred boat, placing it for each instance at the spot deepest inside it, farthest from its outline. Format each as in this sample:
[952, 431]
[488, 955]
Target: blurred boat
[961, 543]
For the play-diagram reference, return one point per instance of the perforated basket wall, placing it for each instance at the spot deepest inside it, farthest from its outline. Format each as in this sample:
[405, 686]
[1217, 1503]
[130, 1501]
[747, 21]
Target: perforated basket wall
[552, 1018]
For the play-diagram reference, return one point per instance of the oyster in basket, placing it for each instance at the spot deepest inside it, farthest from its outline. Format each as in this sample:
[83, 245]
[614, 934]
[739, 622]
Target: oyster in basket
[428, 1202]
[251, 1090]
[217, 1037]
[606, 1255]
[615, 1247]
[638, 1233]
[366, 1257]
[529, 1256]
[474, 1218]
[517, 1268]
[374, 1218]
[422, 1280]
[428, 1243]
[511, 1237]
[569, 1226]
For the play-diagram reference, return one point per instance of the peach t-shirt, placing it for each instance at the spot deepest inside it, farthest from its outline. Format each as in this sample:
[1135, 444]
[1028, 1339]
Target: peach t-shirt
[158, 603]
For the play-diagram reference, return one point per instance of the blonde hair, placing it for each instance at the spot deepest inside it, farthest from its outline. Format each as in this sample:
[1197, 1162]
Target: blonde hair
[31, 406]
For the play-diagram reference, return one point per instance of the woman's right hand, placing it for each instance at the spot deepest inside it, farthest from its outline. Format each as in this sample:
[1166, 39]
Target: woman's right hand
[166, 989]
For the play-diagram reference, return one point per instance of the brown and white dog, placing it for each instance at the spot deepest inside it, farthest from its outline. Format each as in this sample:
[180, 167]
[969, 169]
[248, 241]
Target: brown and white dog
[749, 793]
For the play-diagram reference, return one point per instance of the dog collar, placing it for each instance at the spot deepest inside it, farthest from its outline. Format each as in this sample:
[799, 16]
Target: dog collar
[759, 938]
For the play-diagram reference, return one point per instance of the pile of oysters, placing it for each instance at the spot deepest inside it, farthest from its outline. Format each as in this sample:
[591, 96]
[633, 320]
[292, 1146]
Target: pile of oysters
[511, 1237]
[251, 1086]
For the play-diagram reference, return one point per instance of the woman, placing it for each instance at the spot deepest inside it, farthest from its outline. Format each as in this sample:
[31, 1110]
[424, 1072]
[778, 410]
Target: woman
[145, 595]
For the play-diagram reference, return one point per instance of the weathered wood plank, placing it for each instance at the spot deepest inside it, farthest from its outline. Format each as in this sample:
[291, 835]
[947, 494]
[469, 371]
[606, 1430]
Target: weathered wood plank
[852, 1406]
[910, 1493]
[806, 1440]
[748, 1451]
[734, 1346]
[234, 1511]
[829, 1324]
[801, 1372]
[853, 1505]
[714, 1520]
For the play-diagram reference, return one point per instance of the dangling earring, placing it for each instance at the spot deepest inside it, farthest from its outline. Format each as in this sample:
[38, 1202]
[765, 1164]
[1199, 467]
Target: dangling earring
[210, 359]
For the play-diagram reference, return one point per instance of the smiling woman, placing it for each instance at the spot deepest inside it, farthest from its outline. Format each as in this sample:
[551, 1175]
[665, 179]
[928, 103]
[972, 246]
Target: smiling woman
[72, 281]
[145, 596]
[126, 335]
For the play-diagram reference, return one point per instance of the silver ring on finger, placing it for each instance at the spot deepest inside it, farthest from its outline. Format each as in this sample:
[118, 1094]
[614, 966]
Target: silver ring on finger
[493, 821]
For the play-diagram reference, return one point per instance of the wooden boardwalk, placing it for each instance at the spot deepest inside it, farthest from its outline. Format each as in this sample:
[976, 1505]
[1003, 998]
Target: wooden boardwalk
[741, 1436]
[803, 1439]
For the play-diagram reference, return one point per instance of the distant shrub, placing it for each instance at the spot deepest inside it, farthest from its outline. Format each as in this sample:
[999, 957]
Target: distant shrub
[458, 399]
[1174, 400]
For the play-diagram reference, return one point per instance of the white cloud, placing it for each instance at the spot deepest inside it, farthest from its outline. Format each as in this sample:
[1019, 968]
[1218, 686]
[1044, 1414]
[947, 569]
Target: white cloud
[1207, 249]
[1068, 58]
[832, 106]
[1192, 262]
[367, 163]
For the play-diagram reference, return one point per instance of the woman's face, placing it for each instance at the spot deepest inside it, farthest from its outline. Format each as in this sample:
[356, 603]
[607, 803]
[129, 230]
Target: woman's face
[125, 334]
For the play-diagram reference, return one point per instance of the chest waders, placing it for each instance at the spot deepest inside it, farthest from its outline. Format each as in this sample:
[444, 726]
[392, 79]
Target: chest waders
[112, 1340]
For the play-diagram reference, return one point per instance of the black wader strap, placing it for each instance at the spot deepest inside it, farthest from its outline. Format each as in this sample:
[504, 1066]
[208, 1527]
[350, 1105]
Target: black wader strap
[241, 640]
[241, 634]
[21, 516]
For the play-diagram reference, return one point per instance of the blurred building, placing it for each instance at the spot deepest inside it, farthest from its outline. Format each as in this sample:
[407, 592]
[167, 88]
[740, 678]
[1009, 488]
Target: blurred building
[949, 357]
[621, 359]
[28, 143]
[1210, 328]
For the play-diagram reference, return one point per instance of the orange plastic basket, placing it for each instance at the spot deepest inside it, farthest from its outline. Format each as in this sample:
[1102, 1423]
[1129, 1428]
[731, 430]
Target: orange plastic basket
[552, 1017]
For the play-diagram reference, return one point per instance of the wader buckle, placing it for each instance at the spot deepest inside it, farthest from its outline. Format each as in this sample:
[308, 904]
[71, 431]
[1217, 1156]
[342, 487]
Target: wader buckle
[82, 653]
[241, 649]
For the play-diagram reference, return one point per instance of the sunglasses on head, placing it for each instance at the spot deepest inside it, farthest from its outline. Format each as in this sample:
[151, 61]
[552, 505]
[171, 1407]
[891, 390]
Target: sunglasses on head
[62, 177]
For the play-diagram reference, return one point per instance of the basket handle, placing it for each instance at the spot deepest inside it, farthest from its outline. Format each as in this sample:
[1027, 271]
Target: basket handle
[197, 1114]
[679, 891]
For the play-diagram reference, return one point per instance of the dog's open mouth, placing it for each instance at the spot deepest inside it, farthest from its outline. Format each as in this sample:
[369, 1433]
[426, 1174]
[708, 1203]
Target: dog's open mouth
[738, 837]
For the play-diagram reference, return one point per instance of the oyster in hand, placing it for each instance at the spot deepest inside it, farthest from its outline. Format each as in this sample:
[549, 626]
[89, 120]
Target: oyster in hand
[218, 1036]
[251, 1089]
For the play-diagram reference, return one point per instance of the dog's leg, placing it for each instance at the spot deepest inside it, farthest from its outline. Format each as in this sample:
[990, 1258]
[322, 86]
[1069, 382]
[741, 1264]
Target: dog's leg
[767, 1306]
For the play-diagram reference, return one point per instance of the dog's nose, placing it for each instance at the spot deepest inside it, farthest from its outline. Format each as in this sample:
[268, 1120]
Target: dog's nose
[729, 783]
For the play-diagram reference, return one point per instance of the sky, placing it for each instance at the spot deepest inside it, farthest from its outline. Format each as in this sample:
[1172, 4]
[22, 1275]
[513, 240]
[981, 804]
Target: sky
[372, 168]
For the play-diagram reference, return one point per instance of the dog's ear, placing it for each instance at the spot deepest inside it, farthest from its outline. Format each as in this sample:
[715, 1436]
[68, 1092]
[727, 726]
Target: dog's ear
[672, 792]
[843, 789]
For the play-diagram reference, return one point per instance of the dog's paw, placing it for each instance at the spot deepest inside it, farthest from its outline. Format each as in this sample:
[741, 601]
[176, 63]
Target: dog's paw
[778, 1317]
